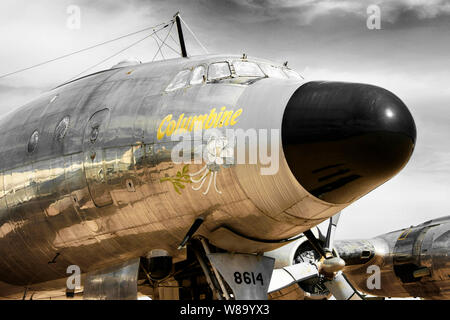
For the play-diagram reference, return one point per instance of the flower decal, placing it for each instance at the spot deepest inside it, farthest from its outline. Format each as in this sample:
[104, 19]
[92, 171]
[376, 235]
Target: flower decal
[179, 181]
[219, 152]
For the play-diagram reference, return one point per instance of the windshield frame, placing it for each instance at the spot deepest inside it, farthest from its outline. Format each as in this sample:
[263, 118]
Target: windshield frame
[263, 74]
[222, 78]
[205, 74]
[176, 76]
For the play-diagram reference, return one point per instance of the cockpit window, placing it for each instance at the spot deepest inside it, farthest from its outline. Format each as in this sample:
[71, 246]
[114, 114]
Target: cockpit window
[235, 72]
[273, 72]
[198, 75]
[219, 70]
[179, 81]
[247, 69]
[292, 74]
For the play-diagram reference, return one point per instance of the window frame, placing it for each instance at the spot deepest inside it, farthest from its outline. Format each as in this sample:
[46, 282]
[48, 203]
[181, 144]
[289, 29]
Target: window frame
[205, 75]
[186, 84]
[218, 79]
[264, 75]
[286, 77]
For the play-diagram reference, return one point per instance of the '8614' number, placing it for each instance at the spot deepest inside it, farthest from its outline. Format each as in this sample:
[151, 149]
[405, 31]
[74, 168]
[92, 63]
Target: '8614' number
[248, 278]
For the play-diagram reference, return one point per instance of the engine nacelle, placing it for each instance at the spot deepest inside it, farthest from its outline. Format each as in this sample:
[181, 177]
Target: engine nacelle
[297, 252]
[412, 262]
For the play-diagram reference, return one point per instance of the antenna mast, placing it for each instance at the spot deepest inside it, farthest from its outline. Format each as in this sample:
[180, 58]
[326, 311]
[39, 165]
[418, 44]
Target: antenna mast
[180, 35]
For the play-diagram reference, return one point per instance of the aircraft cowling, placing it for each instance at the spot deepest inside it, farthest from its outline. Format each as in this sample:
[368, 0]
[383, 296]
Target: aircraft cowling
[301, 251]
[337, 142]
[411, 262]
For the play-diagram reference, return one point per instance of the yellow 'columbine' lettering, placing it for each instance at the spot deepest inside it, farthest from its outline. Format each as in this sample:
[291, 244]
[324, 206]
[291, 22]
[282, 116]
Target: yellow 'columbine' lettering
[226, 118]
[161, 133]
[179, 122]
[235, 116]
[184, 126]
[211, 119]
[197, 122]
[167, 127]
[219, 117]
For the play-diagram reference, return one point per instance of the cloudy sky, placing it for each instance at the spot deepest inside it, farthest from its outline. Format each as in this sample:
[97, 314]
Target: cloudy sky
[322, 39]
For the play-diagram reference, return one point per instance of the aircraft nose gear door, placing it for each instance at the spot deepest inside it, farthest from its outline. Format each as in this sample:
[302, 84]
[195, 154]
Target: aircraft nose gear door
[94, 164]
[248, 275]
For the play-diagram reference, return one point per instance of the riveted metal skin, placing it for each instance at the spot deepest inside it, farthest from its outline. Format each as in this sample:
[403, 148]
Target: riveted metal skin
[117, 283]
[103, 194]
[413, 261]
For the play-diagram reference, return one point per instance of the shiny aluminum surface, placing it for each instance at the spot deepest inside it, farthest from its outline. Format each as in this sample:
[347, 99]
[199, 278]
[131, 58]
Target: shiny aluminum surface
[101, 194]
[398, 254]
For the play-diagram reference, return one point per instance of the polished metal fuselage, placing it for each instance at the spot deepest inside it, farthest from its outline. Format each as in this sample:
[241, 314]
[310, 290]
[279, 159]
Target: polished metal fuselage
[98, 201]
[424, 249]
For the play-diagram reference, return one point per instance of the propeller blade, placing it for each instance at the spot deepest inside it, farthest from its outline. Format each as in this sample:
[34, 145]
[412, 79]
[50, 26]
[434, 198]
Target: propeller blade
[284, 277]
[341, 289]
[331, 232]
[331, 265]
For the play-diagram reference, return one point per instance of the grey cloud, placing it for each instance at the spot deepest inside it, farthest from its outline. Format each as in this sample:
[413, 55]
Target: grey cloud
[300, 12]
[308, 11]
[13, 97]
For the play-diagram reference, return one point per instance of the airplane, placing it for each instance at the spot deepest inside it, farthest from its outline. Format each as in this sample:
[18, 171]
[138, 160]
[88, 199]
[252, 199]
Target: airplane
[407, 263]
[89, 190]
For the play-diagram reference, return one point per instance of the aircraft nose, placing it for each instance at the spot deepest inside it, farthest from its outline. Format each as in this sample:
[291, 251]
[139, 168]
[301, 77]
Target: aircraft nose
[342, 140]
